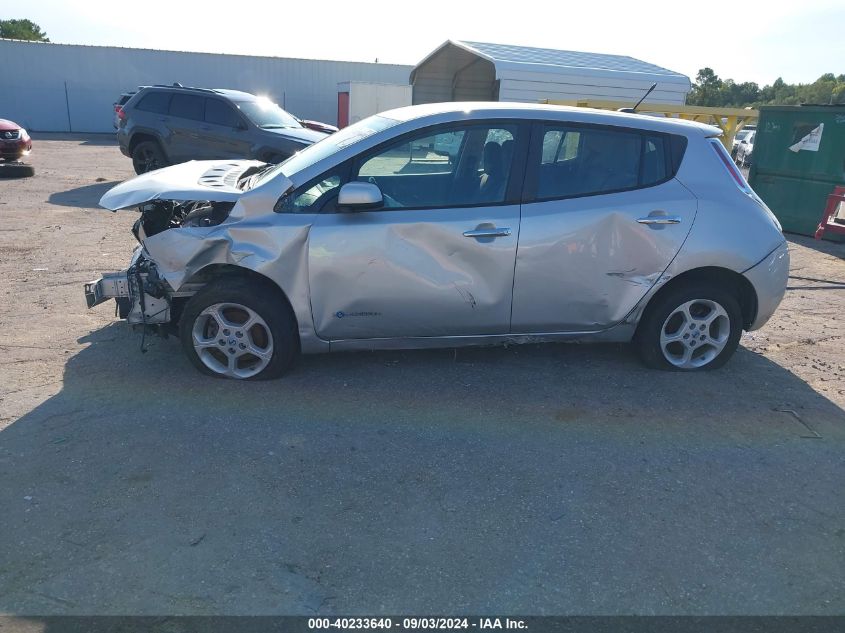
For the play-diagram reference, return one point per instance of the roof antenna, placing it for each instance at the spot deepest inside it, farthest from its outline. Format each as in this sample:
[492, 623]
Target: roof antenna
[634, 109]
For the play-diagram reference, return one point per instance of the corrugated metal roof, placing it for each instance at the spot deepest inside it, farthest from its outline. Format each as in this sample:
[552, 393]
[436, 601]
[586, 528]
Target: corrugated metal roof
[498, 53]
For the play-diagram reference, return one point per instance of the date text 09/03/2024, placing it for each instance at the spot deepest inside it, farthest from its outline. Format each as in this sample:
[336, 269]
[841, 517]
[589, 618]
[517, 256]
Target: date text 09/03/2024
[418, 623]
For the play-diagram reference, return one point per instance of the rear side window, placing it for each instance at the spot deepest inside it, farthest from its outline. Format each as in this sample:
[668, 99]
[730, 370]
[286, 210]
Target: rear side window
[580, 161]
[221, 113]
[187, 107]
[157, 102]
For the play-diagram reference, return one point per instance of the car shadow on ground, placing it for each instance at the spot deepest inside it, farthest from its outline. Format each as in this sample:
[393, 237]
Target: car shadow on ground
[99, 139]
[530, 479]
[85, 197]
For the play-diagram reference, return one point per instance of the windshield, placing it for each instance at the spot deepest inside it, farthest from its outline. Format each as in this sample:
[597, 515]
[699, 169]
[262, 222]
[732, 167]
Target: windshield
[329, 145]
[266, 114]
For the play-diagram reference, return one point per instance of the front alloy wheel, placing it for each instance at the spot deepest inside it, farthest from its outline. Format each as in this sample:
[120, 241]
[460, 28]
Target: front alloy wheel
[239, 328]
[232, 340]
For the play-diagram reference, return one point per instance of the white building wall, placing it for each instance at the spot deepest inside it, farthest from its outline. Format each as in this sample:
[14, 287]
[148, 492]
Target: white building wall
[529, 88]
[366, 99]
[61, 88]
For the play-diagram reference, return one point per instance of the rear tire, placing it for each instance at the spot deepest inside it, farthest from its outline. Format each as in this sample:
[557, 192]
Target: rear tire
[239, 328]
[694, 328]
[147, 156]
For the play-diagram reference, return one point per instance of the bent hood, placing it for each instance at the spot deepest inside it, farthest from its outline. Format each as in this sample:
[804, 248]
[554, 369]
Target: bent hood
[212, 180]
[298, 134]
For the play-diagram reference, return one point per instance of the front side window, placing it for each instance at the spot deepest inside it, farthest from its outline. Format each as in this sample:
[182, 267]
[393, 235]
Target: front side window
[219, 112]
[187, 107]
[585, 161]
[456, 166]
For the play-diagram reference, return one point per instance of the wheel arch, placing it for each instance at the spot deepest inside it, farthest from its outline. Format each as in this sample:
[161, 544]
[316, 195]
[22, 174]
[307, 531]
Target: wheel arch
[722, 277]
[215, 272]
[140, 137]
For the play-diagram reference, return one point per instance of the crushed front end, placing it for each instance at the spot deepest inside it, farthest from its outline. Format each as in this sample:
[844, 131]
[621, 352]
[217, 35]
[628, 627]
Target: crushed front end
[142, 296]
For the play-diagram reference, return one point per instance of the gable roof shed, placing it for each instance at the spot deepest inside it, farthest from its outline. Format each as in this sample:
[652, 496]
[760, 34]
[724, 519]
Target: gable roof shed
[478, 71]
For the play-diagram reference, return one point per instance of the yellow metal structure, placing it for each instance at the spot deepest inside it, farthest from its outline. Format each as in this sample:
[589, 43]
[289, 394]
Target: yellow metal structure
[729, 120]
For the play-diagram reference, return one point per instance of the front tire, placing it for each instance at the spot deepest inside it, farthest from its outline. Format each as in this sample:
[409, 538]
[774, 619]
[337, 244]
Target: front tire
[239, 329]
[690, 329]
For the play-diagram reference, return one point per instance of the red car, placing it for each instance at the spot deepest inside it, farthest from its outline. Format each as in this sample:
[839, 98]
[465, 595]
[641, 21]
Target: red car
[319, 126]
[14, 141]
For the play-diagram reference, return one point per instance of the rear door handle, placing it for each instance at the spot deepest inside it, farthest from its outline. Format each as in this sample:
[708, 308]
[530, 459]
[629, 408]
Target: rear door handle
[660, 219]
[492, 232]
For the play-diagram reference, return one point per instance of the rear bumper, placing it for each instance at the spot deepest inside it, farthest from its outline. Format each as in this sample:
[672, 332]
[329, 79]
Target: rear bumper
[769, 279]
[123, 142]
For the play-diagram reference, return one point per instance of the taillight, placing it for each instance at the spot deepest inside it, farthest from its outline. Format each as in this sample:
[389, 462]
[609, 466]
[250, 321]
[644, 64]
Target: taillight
[723, 155]
[121, 113]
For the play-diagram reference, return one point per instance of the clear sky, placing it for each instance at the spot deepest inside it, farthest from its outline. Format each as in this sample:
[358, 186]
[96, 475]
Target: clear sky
[751, 40]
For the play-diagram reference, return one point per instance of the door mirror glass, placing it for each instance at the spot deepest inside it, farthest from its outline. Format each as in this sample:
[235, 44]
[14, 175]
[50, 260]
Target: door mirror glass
[359, 196]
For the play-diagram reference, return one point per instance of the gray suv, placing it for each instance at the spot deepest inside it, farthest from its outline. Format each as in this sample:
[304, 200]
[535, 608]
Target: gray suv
[165, 125]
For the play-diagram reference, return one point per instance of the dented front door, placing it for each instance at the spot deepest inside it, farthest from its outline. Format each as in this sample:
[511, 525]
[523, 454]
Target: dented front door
[413, 273]
[585, 262]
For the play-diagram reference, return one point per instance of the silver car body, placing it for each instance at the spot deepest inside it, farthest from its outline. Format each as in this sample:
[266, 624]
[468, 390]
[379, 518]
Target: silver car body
[579, 268]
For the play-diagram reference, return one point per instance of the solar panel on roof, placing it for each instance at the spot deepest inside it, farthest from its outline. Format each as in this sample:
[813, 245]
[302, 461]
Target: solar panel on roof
[565, 59]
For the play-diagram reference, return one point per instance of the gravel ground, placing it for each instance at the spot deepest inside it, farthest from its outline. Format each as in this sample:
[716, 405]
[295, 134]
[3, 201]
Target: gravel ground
[556, 479]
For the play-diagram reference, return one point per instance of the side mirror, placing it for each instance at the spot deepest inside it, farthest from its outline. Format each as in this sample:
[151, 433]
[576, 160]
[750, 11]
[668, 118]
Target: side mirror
[359, 196]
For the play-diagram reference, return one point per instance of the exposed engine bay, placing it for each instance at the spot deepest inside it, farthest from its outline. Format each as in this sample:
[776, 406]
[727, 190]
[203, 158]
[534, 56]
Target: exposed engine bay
[161, 215]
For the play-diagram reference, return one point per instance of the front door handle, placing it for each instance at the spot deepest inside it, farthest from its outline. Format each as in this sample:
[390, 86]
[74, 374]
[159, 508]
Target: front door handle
[491, 232]
[660, 219]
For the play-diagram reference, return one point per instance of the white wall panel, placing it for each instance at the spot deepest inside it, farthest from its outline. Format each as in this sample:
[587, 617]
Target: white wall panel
[51, 80]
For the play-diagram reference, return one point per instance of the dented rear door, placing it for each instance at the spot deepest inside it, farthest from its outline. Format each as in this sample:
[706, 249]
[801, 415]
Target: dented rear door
[585, 262]
[413, 273]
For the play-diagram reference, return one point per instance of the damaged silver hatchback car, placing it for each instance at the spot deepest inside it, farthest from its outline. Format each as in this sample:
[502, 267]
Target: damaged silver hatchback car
[455, 224]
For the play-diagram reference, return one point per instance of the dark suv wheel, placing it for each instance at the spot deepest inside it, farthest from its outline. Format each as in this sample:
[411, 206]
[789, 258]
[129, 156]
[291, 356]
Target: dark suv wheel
[147, 156]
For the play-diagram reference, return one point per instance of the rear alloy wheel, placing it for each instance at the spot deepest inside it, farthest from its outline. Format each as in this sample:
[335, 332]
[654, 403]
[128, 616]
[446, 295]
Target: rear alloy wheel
[690, 329]
[147, 156]
[235, 330]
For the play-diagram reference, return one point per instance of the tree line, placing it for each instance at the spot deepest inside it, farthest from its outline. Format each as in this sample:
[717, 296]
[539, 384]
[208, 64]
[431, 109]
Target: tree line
[711, 90]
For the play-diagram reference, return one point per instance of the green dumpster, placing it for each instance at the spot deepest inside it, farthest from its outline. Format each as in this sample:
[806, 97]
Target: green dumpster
[799, 157]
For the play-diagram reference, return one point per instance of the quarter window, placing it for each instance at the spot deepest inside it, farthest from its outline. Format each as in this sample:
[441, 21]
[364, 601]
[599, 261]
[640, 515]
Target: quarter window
[187, 107]
[654, 160]
[156, 102]
[455, 167]
[314, 196]
[578, 162]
